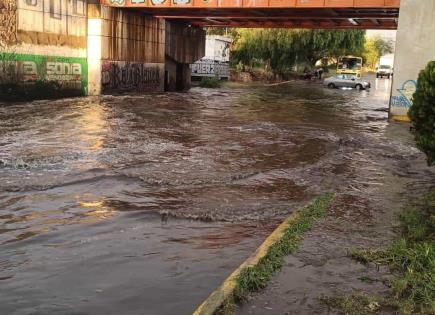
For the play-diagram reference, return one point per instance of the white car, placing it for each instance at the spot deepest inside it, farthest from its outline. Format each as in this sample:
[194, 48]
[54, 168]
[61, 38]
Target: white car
[346, 80]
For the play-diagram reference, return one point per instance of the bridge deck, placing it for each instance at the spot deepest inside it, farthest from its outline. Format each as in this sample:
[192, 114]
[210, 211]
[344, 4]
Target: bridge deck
[337, 14]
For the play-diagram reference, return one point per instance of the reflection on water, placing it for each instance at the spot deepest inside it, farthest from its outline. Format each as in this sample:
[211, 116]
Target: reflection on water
[230, 154]
[383, 85]
[92, 186]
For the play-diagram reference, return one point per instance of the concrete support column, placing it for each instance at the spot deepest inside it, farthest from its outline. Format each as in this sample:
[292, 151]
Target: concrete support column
[177, 76]
[414, 49]
[184, 77]
[126, 51]
[95, 31]
[184, 46]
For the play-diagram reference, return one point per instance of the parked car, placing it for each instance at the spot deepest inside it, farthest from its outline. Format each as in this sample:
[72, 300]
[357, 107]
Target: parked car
[346, 80]
[384, 71]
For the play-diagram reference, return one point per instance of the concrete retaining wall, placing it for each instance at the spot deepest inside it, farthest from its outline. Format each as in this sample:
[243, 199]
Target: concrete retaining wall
[126, 51]
[44, 41]
[94, 49]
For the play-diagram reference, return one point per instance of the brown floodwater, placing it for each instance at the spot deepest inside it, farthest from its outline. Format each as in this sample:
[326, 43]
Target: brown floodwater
[143, 204]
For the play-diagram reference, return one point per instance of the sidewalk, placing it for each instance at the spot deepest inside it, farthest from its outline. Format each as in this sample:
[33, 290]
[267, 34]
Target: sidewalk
[363, 216]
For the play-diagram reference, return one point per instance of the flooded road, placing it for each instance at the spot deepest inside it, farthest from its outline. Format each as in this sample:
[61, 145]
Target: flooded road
[143, 204]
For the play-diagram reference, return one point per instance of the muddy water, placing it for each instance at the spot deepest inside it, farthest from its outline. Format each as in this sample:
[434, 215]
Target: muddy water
[143, 204]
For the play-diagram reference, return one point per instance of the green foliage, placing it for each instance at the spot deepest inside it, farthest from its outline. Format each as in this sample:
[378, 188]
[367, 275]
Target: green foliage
[374, 48]
[227, 308]
[422, 112]
[412, 257]
[223, 31]
[282, 49]
[357, 304]
[210, 82]
[255, 278]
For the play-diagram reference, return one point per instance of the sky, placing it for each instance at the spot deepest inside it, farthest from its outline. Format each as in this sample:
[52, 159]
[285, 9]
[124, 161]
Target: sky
[385, 34]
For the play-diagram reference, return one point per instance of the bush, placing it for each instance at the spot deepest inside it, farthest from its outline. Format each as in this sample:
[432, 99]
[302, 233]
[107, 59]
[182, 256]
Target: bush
[212, 83]
[422, 112]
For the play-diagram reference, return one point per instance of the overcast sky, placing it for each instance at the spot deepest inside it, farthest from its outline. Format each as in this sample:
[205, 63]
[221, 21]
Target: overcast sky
[385, 34]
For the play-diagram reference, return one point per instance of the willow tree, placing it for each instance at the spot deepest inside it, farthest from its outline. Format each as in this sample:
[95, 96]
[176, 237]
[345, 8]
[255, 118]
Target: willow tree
[284, 48]
[374, 48]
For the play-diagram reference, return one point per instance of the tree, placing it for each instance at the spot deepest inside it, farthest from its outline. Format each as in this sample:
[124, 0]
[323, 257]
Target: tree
[218, 30]
[422, 112]
[282, 49]
[374, 48]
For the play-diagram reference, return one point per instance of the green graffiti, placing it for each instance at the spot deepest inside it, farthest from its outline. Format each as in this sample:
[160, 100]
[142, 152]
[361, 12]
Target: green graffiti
[70, 72]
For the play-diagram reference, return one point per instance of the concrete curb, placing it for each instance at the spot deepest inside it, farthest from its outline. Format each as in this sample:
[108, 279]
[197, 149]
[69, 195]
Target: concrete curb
[401, 118]
[226, 289]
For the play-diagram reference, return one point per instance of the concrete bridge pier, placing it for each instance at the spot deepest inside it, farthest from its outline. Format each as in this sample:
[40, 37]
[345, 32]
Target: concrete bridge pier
[184, 44]
[129, 51]
[415, 47]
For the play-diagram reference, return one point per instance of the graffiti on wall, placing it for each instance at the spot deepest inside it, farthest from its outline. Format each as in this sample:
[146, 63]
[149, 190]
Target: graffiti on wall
[210, 68]
[406, 92]
[69, 73]
[131, 76]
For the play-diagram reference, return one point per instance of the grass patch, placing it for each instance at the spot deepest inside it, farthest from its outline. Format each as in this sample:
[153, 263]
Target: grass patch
[256, 278]
[357, 304]
[411, 258]
[210, 82]
[366, 279]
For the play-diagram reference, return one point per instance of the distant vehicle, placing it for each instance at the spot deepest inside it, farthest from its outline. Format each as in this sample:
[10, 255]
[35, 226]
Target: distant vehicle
[346, 80]
[384, 71]
[350, 65]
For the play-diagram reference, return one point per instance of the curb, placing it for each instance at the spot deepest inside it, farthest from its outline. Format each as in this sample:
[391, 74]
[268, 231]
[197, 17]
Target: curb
[401, 118]
[226, 289]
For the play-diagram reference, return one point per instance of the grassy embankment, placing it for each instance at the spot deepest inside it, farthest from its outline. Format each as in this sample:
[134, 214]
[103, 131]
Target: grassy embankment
[411, 258]
[255, 278]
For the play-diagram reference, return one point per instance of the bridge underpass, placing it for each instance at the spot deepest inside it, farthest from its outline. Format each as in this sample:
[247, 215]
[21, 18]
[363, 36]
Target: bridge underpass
[114, 158]
[415, 25]
[326, 14]
[113, 19]
[147, 45]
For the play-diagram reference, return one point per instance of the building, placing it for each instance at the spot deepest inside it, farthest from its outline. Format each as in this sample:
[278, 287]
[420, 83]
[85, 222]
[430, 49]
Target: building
[216, 59]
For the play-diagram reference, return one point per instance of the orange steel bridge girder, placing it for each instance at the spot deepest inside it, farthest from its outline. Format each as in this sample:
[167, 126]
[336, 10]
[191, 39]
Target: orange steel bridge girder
[328, 14]
[249, 4]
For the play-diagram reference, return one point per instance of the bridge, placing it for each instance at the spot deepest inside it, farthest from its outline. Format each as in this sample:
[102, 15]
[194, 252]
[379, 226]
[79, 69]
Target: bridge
[325, 14]
[111, 46]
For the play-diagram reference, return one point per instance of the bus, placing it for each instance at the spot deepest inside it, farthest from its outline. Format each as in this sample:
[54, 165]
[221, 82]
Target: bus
[350, 65]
